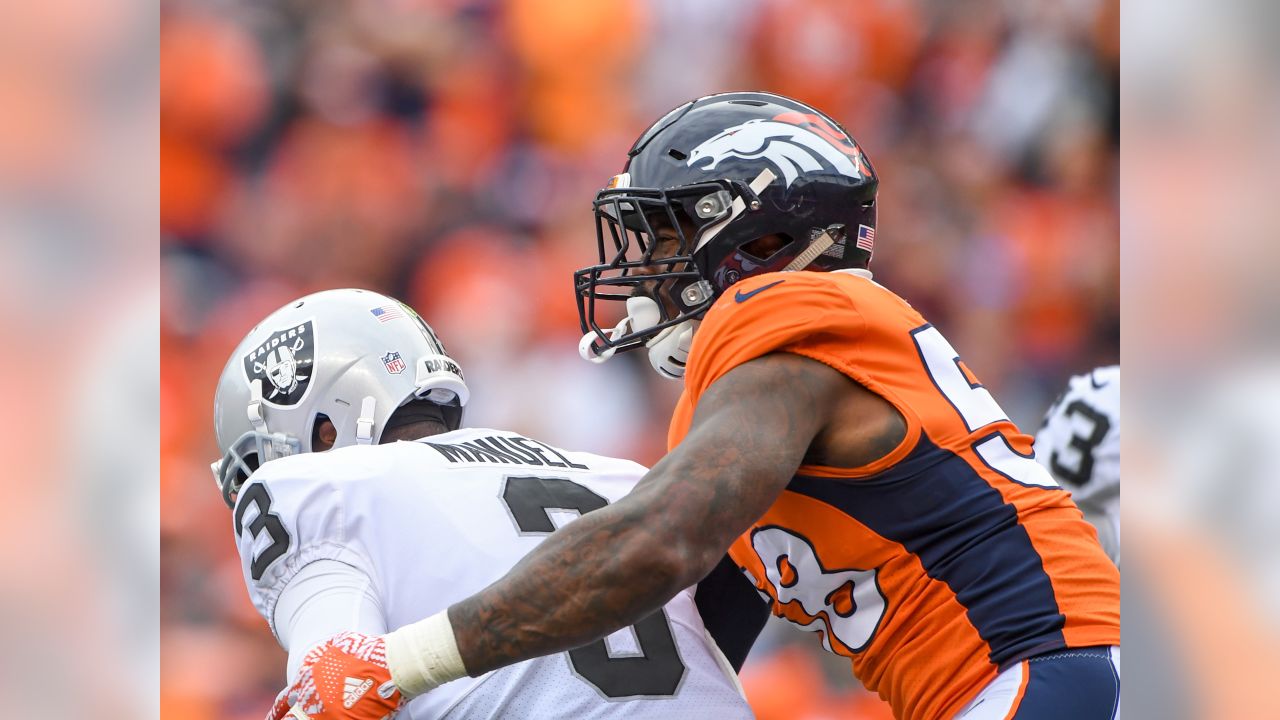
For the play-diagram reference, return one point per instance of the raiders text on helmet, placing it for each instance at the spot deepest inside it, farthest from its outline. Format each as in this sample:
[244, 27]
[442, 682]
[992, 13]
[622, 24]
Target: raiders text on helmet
[709, 179]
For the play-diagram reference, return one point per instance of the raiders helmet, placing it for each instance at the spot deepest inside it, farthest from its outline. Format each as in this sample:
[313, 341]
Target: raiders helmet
[717, 174]
[351, 356]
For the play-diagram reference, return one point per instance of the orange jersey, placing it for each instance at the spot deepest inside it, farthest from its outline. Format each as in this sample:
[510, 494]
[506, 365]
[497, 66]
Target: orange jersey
[954, 556]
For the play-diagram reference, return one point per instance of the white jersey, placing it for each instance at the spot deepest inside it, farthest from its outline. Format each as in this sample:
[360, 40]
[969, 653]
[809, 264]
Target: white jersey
[432, 522]
[1079, 442]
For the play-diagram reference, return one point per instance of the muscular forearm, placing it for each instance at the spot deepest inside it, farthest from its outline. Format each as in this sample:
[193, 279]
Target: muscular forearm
[624, 567]
[631, 557]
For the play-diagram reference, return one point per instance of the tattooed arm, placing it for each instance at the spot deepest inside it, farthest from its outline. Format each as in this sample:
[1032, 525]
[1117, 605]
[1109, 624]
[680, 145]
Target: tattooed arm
[616, 565]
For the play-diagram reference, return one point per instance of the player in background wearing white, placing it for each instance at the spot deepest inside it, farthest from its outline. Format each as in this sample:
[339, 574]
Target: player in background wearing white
[374, 534]
[1079, 441]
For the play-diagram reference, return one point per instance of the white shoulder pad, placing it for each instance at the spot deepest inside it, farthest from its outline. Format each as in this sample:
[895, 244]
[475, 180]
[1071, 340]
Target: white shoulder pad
[294, 511]
[1079, 440]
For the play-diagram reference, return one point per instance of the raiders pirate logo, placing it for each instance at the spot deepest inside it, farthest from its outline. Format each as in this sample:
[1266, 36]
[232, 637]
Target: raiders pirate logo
[789, 148]
[283, 363]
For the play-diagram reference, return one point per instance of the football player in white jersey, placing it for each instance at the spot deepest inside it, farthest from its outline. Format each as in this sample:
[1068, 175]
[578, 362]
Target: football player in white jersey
[1079, 442]
[360, 506]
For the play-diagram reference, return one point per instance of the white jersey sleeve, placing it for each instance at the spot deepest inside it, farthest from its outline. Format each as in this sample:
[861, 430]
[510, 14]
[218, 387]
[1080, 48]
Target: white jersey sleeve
[434, 521]
[1079, 442]
[290, 515]
[325, 598]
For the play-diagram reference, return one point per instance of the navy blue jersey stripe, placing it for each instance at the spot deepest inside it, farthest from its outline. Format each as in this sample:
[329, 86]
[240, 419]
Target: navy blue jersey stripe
[940, 509]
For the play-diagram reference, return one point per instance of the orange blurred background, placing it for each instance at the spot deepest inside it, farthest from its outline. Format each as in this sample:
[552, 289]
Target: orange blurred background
[446, 152]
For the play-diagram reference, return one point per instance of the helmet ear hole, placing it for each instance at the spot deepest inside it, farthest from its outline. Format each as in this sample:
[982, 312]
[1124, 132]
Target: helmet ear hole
[763, 248]
[323, 433]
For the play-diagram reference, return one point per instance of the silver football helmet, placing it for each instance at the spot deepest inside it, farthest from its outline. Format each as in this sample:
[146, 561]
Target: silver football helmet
[352, 356]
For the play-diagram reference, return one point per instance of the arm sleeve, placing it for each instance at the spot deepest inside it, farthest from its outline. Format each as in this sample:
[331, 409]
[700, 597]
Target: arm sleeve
[324, 598]
[732, 611]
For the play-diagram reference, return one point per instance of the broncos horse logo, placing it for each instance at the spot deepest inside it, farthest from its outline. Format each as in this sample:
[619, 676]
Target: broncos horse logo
[790, 148]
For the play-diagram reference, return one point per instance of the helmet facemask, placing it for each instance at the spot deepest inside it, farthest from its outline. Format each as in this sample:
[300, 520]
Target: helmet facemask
[739, 184]
[648, 241]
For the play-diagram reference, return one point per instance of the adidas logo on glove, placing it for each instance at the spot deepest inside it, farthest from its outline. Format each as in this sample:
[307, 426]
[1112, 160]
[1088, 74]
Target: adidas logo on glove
[353, 690]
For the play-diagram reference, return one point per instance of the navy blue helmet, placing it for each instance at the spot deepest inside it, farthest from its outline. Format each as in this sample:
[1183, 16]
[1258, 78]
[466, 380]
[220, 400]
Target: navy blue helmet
[722, 188]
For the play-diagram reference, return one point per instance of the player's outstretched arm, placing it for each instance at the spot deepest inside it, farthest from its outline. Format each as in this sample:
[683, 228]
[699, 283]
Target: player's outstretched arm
[616, 565]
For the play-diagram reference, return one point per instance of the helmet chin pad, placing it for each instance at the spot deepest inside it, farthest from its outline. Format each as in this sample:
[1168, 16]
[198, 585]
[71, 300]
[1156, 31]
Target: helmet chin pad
[643, 312]
[669, 349]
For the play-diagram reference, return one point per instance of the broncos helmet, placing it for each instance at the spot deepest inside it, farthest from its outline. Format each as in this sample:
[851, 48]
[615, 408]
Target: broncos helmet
[717, 174]
[353, 357]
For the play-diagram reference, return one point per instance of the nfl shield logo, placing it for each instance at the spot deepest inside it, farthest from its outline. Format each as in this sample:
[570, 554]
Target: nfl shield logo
[394, 364]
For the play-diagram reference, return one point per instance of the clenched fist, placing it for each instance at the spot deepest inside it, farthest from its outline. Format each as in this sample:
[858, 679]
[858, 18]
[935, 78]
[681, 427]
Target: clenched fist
[342, 678]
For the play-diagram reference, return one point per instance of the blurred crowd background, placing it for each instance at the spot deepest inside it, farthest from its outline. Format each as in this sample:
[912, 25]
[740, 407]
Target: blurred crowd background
[447, 151]
[929, 89]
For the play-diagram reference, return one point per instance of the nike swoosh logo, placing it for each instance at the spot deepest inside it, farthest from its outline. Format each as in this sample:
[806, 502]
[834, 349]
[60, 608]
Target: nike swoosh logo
[743, 297]
[1093, 380]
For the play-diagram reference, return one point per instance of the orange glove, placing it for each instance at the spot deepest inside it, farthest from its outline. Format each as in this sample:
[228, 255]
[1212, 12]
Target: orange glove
[342, 678]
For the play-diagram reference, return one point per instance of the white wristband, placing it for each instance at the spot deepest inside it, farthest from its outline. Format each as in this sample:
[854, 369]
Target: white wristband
[424, 655]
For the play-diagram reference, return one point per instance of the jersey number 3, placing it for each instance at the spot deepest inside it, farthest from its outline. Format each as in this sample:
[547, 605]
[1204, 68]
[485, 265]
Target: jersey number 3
[1081, 471]
[256, 494]
[657, 670]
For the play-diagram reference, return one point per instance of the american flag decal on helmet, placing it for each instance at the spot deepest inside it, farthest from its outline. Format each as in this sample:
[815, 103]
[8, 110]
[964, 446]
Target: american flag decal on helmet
[866, 238]
[387, 313]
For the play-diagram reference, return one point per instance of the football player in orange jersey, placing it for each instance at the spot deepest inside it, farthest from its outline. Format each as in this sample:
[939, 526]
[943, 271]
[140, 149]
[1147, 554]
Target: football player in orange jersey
[829, 439]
